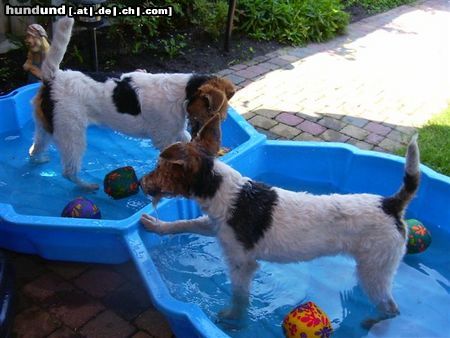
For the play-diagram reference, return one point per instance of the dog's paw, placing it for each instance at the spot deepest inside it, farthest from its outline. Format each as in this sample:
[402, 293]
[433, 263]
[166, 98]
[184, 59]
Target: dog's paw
[65, 23]
[90, 186]
[39, 159]
[231, 319]
[150, 223]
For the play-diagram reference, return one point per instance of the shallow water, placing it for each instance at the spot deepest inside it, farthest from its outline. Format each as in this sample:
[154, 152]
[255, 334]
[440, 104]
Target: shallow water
[194, 272]
[40, 189]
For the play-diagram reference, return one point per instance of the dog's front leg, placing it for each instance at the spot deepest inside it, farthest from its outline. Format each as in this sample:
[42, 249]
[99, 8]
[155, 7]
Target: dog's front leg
[202, 226]
[241, 274]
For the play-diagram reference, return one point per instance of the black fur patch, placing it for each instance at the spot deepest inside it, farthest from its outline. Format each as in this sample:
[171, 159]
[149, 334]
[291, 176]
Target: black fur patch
[102, 76]
[206, 182]
[393, 206]
[47, 105]
[194, 83]
[125, 98]
[251, 215]
[411, 182]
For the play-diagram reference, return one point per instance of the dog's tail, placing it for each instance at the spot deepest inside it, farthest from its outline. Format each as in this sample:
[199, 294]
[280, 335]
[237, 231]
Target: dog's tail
[396, 204]
[60, 41]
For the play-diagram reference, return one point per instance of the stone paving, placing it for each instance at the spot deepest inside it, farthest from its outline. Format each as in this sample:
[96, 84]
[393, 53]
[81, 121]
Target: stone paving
[370, 88]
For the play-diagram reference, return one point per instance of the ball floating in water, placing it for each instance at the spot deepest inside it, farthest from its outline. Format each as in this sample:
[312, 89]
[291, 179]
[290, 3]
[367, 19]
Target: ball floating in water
[121, 183]
[419, 237]
[307, 321]
[81, 207]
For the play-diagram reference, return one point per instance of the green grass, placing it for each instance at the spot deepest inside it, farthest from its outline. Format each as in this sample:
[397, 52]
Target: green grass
[377, 6]
[434, 143]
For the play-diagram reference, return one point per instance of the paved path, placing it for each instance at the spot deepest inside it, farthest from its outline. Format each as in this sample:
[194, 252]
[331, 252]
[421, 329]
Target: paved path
[369, 88]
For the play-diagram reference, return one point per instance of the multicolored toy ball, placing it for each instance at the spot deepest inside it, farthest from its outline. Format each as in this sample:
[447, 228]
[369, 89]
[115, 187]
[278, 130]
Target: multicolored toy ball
[81, 207]
[121, 183]
[419, 237]
[307, 321]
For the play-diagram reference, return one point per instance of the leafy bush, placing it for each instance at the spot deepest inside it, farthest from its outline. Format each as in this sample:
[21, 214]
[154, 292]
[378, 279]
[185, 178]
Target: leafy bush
[376, 6]
[291, 21]
[211, 16]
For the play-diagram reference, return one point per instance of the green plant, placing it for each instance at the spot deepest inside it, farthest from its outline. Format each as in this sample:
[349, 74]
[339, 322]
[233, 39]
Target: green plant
[291, 21]
[211, 16]
[77, 54]
[434, 143]
[376, 6]
[173, 46]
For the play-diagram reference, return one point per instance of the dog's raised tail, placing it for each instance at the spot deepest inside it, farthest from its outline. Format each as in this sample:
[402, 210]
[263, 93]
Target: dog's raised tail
[60, 41]
[396, 204]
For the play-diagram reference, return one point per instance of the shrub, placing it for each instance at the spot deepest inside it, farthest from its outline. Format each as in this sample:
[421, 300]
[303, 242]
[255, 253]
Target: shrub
[291, 21]
[376, 6]
[211, 16]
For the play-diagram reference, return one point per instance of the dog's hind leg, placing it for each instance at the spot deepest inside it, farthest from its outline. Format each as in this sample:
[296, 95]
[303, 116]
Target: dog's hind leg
[376, 274]
[71, 142]
[241, 274]
[40, 144]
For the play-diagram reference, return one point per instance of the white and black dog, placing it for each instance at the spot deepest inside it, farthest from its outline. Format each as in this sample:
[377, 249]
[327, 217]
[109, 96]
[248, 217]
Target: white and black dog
[155, 106]
[254, 221]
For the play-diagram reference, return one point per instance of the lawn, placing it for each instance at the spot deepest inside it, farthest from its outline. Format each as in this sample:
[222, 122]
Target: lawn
[434, 142]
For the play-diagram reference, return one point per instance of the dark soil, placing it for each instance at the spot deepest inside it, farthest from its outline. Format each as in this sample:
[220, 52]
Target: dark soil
[201, 54]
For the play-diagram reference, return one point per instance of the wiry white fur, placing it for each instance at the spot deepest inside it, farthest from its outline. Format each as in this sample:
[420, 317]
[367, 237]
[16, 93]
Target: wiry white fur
[305, 227]
[80, 101]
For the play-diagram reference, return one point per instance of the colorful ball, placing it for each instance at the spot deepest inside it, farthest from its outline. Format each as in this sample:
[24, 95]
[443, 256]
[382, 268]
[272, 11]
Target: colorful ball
[419, 237]
[81, 207]
[121, 183]
[307, 321]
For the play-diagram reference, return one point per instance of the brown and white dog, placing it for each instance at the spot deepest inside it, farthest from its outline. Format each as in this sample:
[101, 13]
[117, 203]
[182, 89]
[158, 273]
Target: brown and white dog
[253, 221]
[155, 106]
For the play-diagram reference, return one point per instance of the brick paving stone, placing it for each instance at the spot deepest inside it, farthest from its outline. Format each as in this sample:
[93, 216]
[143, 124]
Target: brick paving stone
[27, 268]
[248, 115]
[34, 323]
[269, 134]
[356, 121]
[75, 308]
[311, 127]
[334, 136]
[66, 270]
[99, 281]
[269, 113]
[225, 72]
[107, 324]
[355, 132]
[46, 287]
[235, 79]
[377, 128]
[141, 334]
[289, 57]
[154, 323]
[289, 119]
[397, 136]
[128, 301]
[285, 131]
[307, 137]
[360, 144]
[374, 138]
[332, 123]
[279, 61]
[406, 130]
[389, 145]
[128, 272]
[65, 332]
[313, 117]
[262, 122]
[238, 67]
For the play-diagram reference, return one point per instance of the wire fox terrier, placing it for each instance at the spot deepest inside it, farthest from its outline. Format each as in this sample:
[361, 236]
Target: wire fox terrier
[155, 106]
[253, 221]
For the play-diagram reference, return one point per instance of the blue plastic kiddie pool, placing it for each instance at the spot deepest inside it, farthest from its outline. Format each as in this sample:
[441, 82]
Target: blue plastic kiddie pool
[185, 274]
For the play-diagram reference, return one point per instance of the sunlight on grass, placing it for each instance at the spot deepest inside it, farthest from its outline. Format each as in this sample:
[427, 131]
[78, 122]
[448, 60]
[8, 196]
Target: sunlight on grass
[434, 142]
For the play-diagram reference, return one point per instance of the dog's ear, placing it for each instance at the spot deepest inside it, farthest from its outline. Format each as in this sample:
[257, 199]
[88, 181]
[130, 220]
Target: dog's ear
[209, 137]
[175, 153]
[228, 87]
[214, 98]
